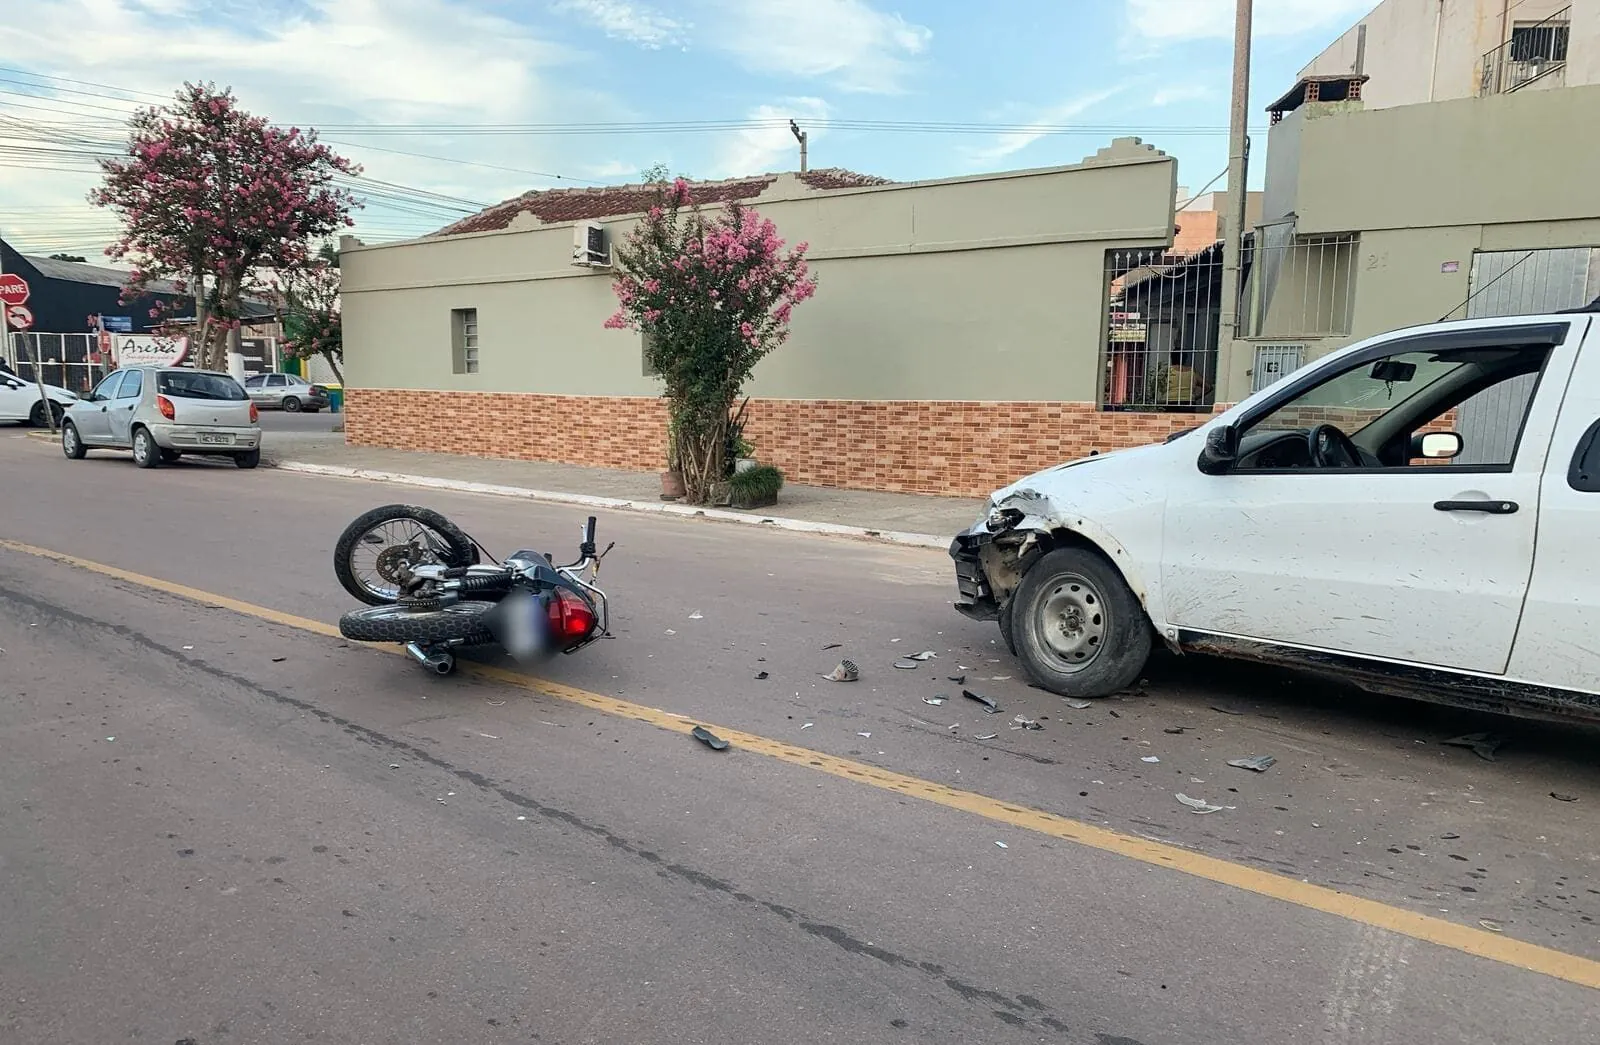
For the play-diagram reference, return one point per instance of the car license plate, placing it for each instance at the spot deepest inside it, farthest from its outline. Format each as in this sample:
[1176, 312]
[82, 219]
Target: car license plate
[215, 439]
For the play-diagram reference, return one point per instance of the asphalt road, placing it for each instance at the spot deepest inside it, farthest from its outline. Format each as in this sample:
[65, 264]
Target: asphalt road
[290, 838]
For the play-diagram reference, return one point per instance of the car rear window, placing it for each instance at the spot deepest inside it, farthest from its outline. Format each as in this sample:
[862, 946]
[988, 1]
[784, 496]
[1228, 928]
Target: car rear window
[201, 386]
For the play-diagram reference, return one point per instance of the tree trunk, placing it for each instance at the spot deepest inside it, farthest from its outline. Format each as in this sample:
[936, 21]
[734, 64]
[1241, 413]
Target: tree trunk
[334, 366]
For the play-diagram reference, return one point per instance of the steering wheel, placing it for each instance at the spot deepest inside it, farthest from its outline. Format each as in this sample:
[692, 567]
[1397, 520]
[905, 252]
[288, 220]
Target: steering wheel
[1331, 448]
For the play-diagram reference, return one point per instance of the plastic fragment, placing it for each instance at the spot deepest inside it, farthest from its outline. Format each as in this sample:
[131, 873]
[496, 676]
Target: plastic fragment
[906, 665]
[110, 739]
[1174, 730]
[1199, 805]
[522, 818]
[867, 735]
[708, 738]
[1484, 745]
[832, 645]
[1255, 763]
[1024, 722]
[1225, 711]
[1001, 678]
[188, 647]
[1079, 705]
[1149, 758]
[986, 736]
[671, 632]
[989, 705]
[761, 675]
[1002, 845]
[697, 615]
[394, 765]
[845, 672]
[1559, 797]
[935, 701]
[957, 679]
[926, 654]
[808, 725]
[1490, 924]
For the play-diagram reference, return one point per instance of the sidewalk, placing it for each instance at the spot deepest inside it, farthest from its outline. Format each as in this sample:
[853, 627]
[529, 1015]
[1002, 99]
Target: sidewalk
[902, 518]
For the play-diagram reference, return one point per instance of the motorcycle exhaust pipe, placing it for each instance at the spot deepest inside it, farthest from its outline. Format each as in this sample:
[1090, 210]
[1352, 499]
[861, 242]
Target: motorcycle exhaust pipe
[439, 663]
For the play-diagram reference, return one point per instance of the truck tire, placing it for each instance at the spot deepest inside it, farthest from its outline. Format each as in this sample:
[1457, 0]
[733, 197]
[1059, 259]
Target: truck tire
[461, 623]
[1079, 630]
[458, 547]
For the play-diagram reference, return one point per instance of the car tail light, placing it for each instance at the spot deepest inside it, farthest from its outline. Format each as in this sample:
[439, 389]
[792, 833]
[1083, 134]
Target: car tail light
[164, 405]
[571, 619]
[255, 415]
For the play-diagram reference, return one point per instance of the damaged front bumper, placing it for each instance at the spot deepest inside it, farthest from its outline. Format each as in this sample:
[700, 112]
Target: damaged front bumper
[974, 597]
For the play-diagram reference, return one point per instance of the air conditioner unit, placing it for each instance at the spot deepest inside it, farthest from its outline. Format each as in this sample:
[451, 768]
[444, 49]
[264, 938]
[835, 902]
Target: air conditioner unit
[589, 246]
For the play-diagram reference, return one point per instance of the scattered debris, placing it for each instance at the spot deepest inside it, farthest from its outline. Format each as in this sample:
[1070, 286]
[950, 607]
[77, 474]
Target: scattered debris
[708, 738]
[394, 765]
[1174, 730]
[957, 679]
[832, 645]
[671, 632]
[1115, 713]
[1559, 797]
[1484, 745]
[1490, 924]
[1002, 845]
[986, 736]
[894, 640]
[989, 706]
[494, 703]
[188, 647]
[1449, 836]
[1023, 722]
[1079, 705]
[1200, 806]
[275, 660]
[808, 725]
[522, 818]
[926, 654]
[1225, 711]
[906, 665]
[1149, 758]
[1001, 678]
[761, 675]
[110, 739]
[697, 615]
[1255, 763]
[845, 672]
[955, 727]
[867, 735]
[935, 701]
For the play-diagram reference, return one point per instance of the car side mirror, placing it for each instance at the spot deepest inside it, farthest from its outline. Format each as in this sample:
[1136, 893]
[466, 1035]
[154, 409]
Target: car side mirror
[1220, 451]
[1437, 446]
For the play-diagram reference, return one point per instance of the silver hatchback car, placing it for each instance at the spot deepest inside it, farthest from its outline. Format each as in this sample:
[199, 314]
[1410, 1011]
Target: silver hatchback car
[162, 413]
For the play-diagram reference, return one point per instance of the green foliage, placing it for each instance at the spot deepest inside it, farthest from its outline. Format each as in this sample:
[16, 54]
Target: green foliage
[758, 484]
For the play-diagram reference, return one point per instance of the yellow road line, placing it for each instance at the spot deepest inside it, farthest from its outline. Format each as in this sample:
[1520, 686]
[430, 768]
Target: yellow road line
[1532, 957]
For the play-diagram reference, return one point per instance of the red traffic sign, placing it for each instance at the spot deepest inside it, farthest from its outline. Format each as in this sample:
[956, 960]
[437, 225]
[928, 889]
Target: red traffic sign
[13, 289]
[18, 317]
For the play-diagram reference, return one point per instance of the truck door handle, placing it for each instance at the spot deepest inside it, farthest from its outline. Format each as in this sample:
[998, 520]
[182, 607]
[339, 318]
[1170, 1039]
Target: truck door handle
[1488, 507]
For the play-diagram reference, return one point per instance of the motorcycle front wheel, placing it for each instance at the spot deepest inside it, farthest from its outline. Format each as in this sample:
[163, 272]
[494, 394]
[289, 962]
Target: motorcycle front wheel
[373, 550]
[461, 623]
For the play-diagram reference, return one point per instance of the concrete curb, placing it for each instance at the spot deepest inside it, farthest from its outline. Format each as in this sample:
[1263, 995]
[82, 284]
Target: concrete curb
[912, 540]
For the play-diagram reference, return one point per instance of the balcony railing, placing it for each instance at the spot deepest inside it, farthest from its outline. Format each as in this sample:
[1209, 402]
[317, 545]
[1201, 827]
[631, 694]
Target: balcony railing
[1535, 50]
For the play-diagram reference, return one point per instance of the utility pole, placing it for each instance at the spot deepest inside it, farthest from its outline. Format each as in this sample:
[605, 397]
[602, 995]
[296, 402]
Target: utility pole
[45, 404]
[799, 136]
[1238, 175]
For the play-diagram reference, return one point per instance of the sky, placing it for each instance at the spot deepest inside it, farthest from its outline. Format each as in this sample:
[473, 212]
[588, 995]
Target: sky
[449, 105]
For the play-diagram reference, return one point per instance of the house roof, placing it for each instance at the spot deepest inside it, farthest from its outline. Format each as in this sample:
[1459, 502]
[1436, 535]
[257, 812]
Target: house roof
[104, 276]
[554, 206]
[1342, 84]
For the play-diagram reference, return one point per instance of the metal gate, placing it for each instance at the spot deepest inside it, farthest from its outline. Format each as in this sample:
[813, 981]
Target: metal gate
[63, 359]
[1518, 283]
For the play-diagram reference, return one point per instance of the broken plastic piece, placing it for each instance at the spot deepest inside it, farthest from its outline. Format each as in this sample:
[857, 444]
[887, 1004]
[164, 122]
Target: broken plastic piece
[1225, 711]
[935, 701]
[697, 615]
[1002, 845]
[1490, 924]
[986, 736]
[1149, 758]
[1255, 763]
[926, 654]
[1079, 705]
[1484, 745]
[988, 705]
[1559, 797]
[761, 675]
[1024, 722]
[832, 645]
[708, 738]
[1200, 806]
[845, 672]
[867, 735]
[1001, 678]
[808, 725]
[907, 665]
[1174, 730]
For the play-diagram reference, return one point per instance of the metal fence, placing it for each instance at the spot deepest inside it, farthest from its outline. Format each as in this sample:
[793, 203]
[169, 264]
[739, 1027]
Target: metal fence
[63, 359]
[1298, 286]
[1161, 330]
[1535, 51]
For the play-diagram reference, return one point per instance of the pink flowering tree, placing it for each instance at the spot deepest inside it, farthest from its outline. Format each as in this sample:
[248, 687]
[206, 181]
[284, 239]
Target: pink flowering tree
[712, 297]
[211, 197]
[312, 325]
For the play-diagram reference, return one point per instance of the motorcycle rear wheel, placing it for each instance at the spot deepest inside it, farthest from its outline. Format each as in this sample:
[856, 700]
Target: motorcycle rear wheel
[461, 623]
[386, 534]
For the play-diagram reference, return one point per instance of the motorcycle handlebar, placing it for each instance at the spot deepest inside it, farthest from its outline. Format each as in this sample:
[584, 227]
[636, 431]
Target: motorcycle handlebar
[588, 531]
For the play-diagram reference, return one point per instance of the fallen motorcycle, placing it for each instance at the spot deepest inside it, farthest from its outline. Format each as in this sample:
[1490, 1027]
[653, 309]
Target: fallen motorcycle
[429, 590]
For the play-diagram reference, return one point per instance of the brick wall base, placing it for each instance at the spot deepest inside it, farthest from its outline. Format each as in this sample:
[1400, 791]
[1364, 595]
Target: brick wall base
[960, 449]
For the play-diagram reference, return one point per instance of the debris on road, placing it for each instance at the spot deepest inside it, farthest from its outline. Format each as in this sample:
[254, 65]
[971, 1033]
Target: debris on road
[494, 703]
[935, 701]
[1255, 763]
[808, 725]
[1174, 730]
[394, 765]
[697, 615]
[1023, 722]
[1490, 924]
[1149, 758]
[1226, 711]
[1484, 745]
[275, 660]
[1199, 805]
[761, 675]
[867, 735]
[1559, 797]
[926, 654]
[1449, 836]
[989, 706]
[832, 645]
[1001, 678]
[986, 736]
[845, 672]
[522, 818]
[1079, 705]
[188, 647]
[906, 665]
[957, 679]
[671, 632]
[110, 739]
[1002, 845]
[708, 738]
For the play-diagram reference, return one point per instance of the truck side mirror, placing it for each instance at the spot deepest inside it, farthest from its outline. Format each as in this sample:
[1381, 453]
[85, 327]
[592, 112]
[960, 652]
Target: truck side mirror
[1221, 450]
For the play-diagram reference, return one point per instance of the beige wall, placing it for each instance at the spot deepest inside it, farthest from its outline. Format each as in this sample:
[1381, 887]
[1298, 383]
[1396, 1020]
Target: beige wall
[987, 288]
[1403, 37]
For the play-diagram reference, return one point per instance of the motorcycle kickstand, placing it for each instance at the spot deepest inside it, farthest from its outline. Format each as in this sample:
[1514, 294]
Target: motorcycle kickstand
[438, 661]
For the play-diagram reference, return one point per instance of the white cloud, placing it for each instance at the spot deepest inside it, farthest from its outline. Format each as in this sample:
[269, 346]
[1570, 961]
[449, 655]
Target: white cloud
[434, 62]
[858, 47]
[1174, 20]
[636, 23]
[1011, 142]
[759, 150]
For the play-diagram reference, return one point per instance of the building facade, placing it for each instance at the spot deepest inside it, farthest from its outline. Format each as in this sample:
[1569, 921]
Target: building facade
[955, 342]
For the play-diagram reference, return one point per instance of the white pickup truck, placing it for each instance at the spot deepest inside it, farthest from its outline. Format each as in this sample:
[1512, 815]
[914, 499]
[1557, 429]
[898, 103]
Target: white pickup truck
[1418, 513]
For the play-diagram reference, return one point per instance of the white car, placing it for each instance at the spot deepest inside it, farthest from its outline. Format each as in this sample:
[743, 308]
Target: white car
[19, 400]
[1415, 513]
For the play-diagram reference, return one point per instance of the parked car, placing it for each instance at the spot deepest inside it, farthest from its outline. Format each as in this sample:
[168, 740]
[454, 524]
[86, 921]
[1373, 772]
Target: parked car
[162, 413]
[289, 392]
[19, 400]
[1414, 513]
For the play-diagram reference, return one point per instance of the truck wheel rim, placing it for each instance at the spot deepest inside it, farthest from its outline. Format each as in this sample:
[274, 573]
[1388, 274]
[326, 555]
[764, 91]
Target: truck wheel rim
[1073, 622]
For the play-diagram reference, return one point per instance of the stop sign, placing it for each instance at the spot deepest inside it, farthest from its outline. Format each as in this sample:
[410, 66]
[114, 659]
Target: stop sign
[13, 289]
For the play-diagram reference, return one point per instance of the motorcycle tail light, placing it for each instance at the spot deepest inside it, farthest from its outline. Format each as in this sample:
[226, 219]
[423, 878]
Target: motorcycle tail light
[164, 405]
[571, 619]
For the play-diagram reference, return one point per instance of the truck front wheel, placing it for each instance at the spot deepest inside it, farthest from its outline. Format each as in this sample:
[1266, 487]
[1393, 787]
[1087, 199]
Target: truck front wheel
[1078, 628]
